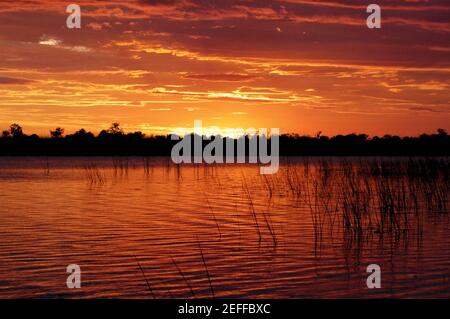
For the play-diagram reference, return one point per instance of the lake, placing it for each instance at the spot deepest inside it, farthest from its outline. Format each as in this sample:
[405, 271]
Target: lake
[146, 228]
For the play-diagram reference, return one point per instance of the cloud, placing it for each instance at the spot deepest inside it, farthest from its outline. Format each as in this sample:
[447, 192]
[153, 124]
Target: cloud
[243, 94]
[54, 42]
[215, 57]
[99, 26]
[162, 109]
[226, 77]
[424, 109]
[49, 41]
[192, 109]
[9, 80]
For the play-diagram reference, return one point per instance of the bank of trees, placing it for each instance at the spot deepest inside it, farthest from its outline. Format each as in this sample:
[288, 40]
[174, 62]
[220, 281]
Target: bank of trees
[115, 141]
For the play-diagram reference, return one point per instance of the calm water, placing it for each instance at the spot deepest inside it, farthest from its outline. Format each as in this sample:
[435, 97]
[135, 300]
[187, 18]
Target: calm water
[259, 236]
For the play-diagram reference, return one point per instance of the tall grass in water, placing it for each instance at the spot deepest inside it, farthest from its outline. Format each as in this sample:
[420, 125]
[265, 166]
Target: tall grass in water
[293, 179]
[47, 167]
[214, 215]
[267, 220]
[145, 278]
[180, 272]
[206, 269]
[120, 166]
[319, 190]
[252, 207]
[373, 196]
[148, 166]
[93, 174]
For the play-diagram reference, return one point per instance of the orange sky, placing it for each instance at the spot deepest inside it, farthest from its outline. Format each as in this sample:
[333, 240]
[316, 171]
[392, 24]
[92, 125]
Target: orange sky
[299, 65]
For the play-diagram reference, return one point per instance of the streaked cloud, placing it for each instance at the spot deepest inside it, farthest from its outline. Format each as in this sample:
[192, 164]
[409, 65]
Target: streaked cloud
[300, 65]
[8, 80]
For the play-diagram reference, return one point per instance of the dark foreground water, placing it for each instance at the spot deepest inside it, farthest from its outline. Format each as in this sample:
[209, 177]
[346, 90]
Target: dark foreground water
[308, 231]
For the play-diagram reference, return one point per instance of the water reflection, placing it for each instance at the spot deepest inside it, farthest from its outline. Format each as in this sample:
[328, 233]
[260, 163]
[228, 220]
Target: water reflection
[142, 227]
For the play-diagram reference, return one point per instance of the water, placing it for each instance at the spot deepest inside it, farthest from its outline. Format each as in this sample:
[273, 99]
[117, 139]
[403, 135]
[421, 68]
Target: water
[110, 216]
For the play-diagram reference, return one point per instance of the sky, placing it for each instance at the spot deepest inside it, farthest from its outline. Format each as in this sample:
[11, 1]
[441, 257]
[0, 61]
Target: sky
[301, 66]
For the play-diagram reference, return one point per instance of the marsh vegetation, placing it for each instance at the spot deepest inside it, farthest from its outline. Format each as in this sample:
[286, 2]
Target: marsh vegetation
[159, 230]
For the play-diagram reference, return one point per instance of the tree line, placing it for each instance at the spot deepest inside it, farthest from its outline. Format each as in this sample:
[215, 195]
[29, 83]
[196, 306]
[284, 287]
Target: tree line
[115, 141]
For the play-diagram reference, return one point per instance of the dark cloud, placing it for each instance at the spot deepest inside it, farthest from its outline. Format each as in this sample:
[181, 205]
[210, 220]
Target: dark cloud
[8, 80]
[228, 77]
[315, 58]
[158, 2]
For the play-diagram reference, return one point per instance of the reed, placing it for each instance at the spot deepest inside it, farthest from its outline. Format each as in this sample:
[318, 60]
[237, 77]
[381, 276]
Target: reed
[147, 164]
[293, 179]
[373, 196]
[93, 174]
[270, 227]
[183, 276]
[206, 269]
[145, 278]
[47, 167]
[269, 185]
[120, 165]
[213, 214]
[252, 207]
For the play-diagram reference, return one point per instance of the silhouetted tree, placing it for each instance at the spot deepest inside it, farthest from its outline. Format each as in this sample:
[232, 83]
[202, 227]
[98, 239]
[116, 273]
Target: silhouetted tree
[57, 133]
[82, 133]
[115, 129]
[113, 141]
[136, 135]
[15, 130]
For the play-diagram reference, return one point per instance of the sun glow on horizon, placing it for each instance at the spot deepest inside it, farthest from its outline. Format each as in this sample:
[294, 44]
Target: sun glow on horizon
[156, 68]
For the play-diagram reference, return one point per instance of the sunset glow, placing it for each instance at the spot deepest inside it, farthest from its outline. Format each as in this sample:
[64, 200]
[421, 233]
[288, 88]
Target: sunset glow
[156, 66]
